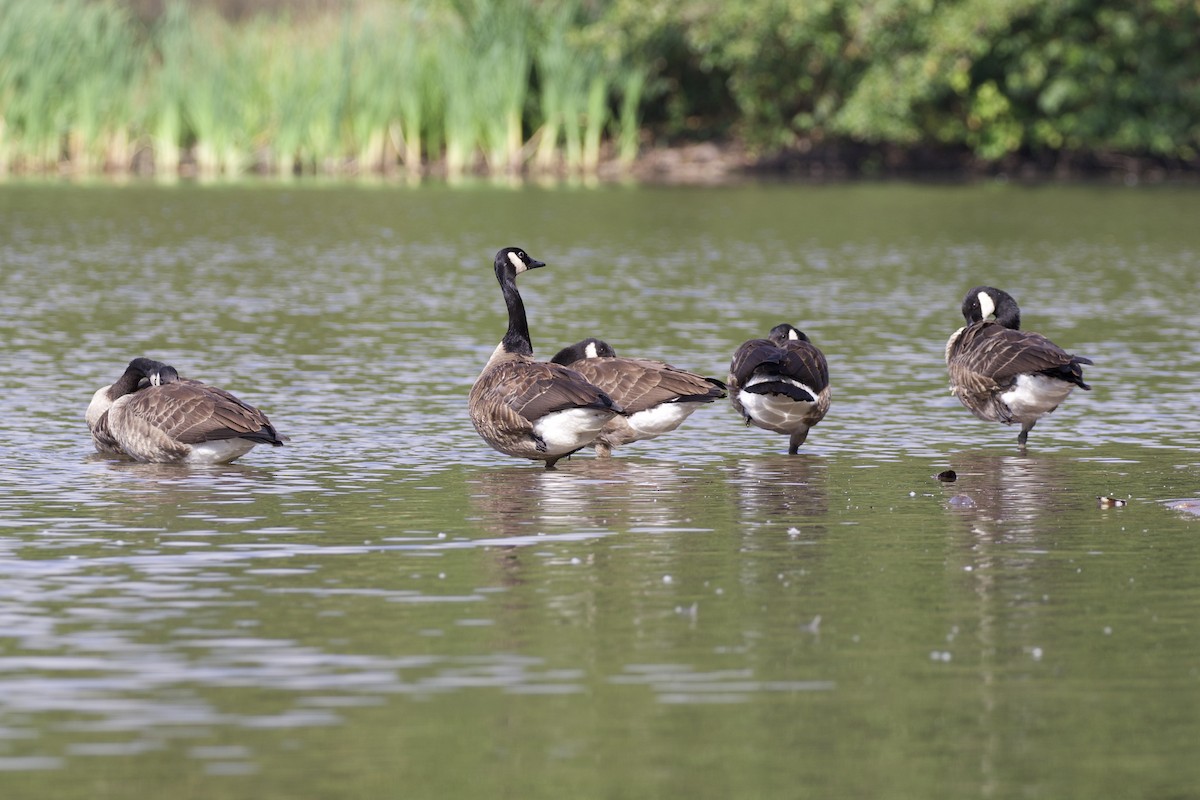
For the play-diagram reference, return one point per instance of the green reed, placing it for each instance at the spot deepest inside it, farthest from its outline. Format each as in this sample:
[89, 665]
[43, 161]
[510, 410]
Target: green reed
[168, 79]
[449, 85]
[501, 63]
[65, 69]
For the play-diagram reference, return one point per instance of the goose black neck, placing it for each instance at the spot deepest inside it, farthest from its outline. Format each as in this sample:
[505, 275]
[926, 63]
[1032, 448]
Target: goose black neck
[516, 340]
[1008, 313]
[127, 383]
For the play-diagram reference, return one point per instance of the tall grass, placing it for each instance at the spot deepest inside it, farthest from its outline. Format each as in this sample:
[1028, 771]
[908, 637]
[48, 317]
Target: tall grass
[501, 61]
[65, 70]
[453, 86]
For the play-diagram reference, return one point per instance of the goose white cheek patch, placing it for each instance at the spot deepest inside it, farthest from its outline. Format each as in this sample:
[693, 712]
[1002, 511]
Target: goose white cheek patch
[986, 307]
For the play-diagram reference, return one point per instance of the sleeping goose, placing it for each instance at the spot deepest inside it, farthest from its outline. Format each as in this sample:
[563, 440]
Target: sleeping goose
[151, 414]
[526, 408]
[780, 384]
[1004, 374]
[657, 397]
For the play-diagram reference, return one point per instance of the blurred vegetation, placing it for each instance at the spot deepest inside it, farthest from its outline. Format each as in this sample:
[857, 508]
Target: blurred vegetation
[577, 86]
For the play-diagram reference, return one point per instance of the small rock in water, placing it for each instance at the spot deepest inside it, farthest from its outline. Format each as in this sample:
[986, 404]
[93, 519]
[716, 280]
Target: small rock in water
[961, 501]
[1111, 502]
[947, 476]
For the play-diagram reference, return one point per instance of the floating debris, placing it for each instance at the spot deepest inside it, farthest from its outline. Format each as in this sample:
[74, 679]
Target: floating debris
[961, 501]
[691, 612]
[1186, 506]
[947, 476]
[1111, 502]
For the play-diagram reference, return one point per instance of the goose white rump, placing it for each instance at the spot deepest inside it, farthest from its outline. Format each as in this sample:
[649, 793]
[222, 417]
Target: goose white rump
[778, 412]
[1034, 396]
[564, 432]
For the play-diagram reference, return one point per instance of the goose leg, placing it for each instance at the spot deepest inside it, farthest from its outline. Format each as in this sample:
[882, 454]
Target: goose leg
[797, 440]
[1023, 436]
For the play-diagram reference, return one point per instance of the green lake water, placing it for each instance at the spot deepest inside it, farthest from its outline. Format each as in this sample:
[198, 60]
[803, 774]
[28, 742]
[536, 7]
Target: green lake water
[388, 608]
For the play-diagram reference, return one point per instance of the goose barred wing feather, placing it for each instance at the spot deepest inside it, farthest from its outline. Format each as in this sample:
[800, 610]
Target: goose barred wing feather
[639, 384]
[804, 362]
[531, 390]
[987, 357]
[103, 437]
[191, 412]
[749, 357]
[800, 361]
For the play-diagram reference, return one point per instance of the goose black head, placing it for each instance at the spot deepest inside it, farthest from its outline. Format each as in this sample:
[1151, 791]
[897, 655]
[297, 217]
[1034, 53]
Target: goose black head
[587, 348]
[163, 375]
[786, 333]
[983, 302]
[512, 261]
[144, 366]
[139, 374]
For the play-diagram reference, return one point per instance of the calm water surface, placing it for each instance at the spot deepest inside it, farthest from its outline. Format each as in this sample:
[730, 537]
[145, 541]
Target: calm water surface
[388, 608]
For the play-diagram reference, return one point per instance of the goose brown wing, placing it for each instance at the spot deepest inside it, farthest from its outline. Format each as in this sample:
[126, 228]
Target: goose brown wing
[800, 361]
[533, 389]
[749, 357]
[191, 412]
[988, 356]
[103, 436]
[803, 362]
[638, 384]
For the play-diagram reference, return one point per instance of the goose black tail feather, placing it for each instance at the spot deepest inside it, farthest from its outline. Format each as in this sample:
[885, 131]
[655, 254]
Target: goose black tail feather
[1071, 373]
[779, 387]
[266, 436]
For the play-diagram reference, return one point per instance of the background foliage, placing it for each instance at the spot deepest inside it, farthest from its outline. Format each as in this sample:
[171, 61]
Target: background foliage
[533, 86]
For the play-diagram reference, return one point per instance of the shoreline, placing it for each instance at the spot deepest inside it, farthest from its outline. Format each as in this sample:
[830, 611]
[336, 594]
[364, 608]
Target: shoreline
[687, 164]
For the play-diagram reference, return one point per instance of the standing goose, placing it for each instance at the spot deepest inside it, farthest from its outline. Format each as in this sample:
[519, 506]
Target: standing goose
[526, 408]
[780, 384]
[151, 414]
[1004, 374]
[657, 397]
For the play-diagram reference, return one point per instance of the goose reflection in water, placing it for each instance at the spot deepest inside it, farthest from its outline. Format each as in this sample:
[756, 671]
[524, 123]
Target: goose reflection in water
[129, 493]
[598, 495]
[780, 490]
[1009, 488]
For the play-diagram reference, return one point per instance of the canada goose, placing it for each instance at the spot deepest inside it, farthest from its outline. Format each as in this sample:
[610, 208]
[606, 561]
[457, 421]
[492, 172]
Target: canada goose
[526, 408]
[657, 397]
[1004, 374]
[780, 384]
[152, 414]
